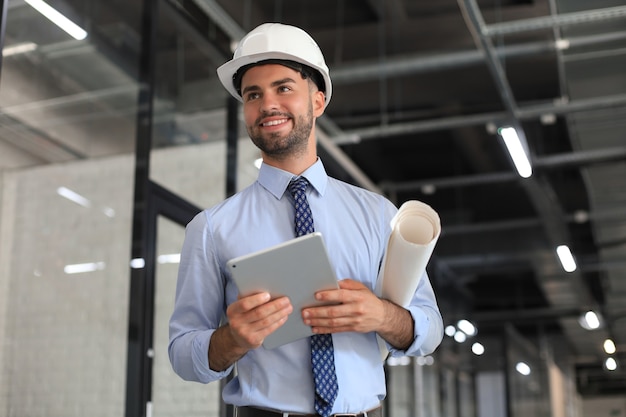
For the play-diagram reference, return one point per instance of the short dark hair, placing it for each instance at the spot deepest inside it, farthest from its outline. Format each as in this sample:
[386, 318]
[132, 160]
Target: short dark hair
[306, 71]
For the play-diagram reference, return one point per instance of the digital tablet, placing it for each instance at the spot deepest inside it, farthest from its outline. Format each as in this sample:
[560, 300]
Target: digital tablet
[297, 269]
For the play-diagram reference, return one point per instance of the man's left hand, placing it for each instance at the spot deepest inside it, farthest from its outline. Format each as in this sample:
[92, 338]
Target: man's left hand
[355, 308]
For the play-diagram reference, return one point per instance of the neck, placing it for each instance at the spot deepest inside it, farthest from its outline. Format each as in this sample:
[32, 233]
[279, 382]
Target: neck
[294, 165]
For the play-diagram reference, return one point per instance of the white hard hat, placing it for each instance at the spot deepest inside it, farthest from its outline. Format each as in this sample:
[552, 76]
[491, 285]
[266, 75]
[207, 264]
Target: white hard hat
[271, 42]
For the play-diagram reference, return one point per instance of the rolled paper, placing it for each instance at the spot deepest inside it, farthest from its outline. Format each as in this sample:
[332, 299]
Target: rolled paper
[415, 230]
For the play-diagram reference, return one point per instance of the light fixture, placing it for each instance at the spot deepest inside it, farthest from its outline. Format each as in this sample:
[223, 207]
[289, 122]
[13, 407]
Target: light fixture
[516, 150]
[137, 263]
[171, 258]
[428, 189]
[73, 196]
[523, 368]
[425, 360]
[450, 330]
[466, 327]
[460, 337]
[86, 267]
[478, 349]
[609, 346]
[58, 19]
[19, 48]
[566, 258]
[611, 364]
[589, 320]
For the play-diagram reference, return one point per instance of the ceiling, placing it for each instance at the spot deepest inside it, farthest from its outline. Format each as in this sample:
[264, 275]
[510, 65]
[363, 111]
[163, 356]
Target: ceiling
[419, 90]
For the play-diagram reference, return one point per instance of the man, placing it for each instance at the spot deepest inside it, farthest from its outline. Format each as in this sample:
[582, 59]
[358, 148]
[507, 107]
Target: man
[279, 74]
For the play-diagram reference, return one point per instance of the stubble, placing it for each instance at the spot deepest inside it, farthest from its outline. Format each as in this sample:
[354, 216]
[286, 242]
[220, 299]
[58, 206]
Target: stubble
[280, 147]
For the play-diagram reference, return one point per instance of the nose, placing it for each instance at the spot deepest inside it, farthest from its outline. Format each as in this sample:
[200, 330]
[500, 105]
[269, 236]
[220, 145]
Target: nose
[269, 102]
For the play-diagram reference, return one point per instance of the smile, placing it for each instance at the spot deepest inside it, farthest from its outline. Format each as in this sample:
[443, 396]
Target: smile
[274, 122]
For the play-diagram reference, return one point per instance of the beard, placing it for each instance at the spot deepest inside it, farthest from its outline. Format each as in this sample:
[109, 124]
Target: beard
[280, 147]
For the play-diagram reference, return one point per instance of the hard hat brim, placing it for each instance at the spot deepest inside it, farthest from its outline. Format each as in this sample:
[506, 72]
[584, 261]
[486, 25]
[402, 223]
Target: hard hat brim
[226, 71]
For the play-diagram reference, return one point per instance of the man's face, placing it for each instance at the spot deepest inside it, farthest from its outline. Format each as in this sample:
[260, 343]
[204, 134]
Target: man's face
[279, 109]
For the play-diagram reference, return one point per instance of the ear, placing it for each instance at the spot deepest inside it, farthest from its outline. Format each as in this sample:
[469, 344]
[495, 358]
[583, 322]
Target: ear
[319, 99]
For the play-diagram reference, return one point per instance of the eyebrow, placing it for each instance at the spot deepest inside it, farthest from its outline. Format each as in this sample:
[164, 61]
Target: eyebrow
[274, 84]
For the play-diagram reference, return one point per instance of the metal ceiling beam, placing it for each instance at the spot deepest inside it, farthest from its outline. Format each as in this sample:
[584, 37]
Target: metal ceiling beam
[573, 159]
[523, 113]
[538, 189]
[396, 66]
[547, 22]
[346, 163]
[221, 18]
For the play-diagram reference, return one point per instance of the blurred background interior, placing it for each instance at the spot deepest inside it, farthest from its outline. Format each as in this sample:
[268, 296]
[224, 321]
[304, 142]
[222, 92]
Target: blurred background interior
[114, 131]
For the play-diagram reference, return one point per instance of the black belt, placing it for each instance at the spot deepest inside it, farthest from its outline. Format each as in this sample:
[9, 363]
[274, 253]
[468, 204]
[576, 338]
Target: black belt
[260, 412]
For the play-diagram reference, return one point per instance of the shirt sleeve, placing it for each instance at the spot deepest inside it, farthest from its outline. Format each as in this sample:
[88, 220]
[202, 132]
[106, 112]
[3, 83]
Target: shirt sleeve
[199, 305]
[428, 324]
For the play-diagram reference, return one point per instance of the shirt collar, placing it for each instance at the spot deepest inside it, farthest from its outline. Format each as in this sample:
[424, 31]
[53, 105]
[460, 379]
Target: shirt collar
[276, 180]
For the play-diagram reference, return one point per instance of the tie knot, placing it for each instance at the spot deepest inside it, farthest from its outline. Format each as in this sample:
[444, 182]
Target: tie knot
[298, 185]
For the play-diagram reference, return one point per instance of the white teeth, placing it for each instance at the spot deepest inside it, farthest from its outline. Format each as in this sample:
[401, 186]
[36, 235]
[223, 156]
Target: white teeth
[275, 122]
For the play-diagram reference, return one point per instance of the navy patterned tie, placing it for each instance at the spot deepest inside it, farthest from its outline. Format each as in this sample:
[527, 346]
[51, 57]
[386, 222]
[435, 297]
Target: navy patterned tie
[322, 352]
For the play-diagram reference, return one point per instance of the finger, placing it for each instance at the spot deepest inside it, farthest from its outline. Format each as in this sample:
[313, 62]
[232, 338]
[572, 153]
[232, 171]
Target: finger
[349, 291]
[249, 302]
[329, 317]
[350, 284]
[264, 315]
[253, 326]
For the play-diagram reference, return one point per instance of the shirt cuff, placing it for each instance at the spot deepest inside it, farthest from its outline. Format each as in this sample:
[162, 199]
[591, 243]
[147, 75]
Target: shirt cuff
[200, 352]
[420, 333]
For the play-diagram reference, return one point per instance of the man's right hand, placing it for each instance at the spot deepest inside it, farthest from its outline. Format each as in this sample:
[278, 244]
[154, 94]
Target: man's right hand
[250, 320]
[254, 317]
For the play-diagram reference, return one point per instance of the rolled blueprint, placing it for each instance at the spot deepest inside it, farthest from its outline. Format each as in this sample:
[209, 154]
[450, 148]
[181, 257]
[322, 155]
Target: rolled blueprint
[414, 232]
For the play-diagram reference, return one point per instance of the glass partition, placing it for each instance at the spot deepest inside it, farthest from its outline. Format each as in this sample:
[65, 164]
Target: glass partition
[171, 396]
[63, 98]
[189, 101]
[65, 232]
[67, 133]
[529, 390]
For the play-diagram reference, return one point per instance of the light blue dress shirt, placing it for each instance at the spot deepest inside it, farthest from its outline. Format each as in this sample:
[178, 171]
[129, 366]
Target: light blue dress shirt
[355, 224]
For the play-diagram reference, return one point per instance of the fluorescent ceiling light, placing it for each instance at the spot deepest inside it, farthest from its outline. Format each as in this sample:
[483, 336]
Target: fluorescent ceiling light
[566, 258]
[478, 349]
[460, 337]
[425, 360]
[58, 19]
[609, 346]
[20, 48]
[73, 196]
[611, 364]
[87, 267]
[516, 150]
[137, 263]
[589, 321]
[467, 327]
[522, 368]
[172, 258]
